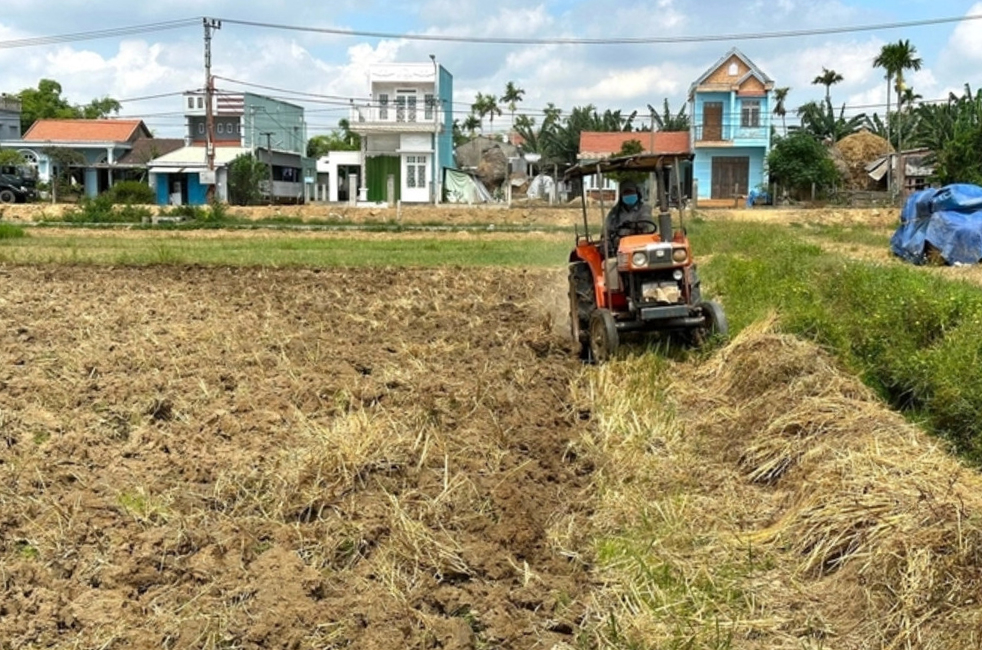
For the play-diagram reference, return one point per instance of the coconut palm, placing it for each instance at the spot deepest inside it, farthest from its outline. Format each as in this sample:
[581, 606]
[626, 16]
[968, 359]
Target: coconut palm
[512, 95]
[821, 121]
[482, 106]
[780, 96]
[828, 78]
[669, 121]
[486, 105]
[471, 123]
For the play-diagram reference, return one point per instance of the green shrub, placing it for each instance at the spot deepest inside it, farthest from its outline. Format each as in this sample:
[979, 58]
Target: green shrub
[10, 231]
[912, 334]
[101, 209]
[132, 193]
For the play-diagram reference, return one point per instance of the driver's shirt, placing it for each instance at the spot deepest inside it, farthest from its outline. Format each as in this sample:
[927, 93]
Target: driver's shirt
[620, 215]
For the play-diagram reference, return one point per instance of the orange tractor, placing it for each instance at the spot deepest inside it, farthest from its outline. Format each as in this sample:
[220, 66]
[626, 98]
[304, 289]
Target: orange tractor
[651, 285]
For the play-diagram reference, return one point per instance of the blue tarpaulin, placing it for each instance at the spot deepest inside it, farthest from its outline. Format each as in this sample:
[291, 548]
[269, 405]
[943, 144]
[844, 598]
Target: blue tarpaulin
[948, 219]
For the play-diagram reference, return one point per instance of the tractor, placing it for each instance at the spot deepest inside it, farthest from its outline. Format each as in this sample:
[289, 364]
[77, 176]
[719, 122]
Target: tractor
[651, 284]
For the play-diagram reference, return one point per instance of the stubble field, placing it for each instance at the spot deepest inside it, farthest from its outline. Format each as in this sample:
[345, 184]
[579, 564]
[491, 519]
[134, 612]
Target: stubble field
[208, 457]
[379, 457]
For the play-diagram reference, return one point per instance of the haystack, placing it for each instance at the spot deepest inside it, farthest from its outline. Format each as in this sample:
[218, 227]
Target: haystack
[882, 527]
[856, 151]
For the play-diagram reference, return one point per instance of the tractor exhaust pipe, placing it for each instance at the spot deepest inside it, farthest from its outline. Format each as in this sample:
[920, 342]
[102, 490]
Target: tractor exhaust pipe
[665, 226]
[664, 216]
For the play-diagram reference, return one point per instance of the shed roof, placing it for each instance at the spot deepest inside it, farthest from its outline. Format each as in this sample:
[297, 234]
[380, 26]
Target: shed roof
[195, 157]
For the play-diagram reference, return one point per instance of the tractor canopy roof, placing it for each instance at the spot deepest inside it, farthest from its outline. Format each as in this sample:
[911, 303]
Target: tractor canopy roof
[645, 162]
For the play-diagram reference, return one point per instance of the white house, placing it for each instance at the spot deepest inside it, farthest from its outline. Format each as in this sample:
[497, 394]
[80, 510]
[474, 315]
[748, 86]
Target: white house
[406, 132]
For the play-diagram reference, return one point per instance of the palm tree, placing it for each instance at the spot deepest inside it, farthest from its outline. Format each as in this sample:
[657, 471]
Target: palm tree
[669, 121]
[895, 58]
[481, 107]
[486, 105]
[513, 94]
[493, 109]
[828, 78]
[908, 97]
[780, 96]
[471, 123]
[821, 121]
[552, 113]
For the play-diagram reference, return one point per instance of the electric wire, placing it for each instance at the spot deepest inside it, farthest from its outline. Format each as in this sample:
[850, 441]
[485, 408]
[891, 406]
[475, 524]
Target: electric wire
[625, 40]
[102, 33]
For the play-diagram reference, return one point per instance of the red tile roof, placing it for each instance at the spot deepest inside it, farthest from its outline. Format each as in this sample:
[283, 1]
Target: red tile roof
[594, 144]
[86, 131]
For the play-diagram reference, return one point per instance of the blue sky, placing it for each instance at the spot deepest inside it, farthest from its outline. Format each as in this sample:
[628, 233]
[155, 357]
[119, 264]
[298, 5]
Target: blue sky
[608, 76]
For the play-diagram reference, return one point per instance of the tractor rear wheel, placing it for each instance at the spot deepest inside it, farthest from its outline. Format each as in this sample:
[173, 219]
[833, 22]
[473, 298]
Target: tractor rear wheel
[603, 335]
[582, 302]
[7, 196]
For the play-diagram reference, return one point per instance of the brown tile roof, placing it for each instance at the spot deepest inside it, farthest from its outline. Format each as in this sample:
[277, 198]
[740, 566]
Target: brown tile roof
[86, 131]
[595, 144]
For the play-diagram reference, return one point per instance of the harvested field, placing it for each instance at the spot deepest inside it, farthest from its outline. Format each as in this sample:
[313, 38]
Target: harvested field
[772, 501]
[219, 458]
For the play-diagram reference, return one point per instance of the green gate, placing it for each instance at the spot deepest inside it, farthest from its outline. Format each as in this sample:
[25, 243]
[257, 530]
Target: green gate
[377, 171]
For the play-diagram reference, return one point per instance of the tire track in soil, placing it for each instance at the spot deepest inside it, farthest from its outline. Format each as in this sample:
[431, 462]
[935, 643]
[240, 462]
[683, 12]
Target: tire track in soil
[206, 457]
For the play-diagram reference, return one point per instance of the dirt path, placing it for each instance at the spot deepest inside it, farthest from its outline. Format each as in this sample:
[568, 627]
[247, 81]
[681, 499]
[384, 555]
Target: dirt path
[205, 458]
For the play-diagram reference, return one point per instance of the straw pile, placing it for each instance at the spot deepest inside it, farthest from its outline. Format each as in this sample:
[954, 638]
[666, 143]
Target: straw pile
[856, 151]
[879, 530]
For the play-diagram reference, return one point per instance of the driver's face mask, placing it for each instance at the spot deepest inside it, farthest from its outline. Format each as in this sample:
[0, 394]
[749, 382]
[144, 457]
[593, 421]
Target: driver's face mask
[630, 199]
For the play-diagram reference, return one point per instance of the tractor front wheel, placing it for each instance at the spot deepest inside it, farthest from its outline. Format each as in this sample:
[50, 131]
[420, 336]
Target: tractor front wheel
[716, 326]
[603, 335]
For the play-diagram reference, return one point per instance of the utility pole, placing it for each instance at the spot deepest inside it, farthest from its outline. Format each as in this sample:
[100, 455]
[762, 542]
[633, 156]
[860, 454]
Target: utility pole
[210, 24]
[269, 159]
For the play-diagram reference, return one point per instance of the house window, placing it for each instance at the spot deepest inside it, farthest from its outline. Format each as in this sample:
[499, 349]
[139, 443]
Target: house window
[201, 128]
[383, 106]
[750, 113]
[733, 69]
[428, 106]
[201, 102]
[191, 102]
[415, 172]
[221, 128]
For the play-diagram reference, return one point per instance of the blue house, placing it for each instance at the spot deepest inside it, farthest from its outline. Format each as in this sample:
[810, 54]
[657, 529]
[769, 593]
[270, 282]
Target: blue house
[274, 131]
[406, 132]
[730, 108]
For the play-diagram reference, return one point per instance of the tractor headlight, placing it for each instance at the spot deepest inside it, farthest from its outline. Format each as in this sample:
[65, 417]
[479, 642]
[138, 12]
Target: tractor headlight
[678, 275]
[679, 255]
[640, 258]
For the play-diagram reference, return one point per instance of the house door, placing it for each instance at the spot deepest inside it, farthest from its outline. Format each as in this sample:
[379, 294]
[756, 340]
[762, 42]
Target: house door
[712, 121]
[731, 175]
[415, 178]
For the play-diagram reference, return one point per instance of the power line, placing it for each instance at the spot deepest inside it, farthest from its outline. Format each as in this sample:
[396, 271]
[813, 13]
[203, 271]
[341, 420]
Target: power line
[97, 34]
[639, 40]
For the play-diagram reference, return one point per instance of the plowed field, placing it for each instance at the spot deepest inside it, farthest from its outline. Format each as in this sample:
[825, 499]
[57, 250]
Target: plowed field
[219, 458]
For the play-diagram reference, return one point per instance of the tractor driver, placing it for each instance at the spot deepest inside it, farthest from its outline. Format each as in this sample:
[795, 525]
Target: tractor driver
[628, 210]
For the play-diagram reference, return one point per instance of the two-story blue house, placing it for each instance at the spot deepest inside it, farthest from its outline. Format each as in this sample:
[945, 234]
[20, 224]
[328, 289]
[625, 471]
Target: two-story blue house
[730, 117]
[271, 129]
[406, 132]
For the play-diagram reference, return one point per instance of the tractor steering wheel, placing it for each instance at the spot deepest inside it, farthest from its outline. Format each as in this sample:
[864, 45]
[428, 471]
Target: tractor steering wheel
[637, 227]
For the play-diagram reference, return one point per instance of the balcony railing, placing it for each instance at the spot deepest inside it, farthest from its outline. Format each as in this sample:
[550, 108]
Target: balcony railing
[724, 133]
[393, 114]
